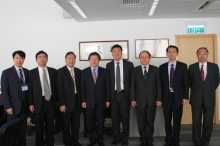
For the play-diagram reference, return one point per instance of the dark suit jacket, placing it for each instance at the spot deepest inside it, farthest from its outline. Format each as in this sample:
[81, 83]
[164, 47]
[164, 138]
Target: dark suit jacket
[65, 88]
[95, 94]
[203, 91]
[11, 89]
[35, 90]
[127, 69]
[145, 93]
[181, 85]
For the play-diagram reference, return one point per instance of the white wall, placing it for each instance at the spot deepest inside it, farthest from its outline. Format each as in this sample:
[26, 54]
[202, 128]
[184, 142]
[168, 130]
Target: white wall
[31, 25]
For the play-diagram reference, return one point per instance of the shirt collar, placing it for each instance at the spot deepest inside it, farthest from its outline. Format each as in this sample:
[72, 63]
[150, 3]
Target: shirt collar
[95, 68]
[146, 66]
[40, 68]
[17, 67]
[205, 64]
[70, 68]
[120, 61]
[169, 63]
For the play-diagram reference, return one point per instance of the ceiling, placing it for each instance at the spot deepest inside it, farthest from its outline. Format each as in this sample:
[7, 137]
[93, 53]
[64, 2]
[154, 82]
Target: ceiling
[108, 10]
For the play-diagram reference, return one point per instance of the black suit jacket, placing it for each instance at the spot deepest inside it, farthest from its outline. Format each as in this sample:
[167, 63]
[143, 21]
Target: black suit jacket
[95, 94]
[145, 93]
[35, 90]
[203, 91]
[181, 85]
[65, 88]
[11, 89]
[127, 69]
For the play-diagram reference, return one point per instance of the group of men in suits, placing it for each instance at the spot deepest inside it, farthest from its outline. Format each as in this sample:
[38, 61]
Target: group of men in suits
[145, 87]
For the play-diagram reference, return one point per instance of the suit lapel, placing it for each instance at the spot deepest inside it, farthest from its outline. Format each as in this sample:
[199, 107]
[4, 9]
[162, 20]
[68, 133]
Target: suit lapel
[149, 72]
[100, 71]
[15, 74]
[209, 71]
[37, 78]
[89, 72]
[197, 72]
[112, 73]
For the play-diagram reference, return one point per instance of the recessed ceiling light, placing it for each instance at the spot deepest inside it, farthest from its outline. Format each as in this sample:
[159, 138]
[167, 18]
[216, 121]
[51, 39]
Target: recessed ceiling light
[77, 8]
[153, 8]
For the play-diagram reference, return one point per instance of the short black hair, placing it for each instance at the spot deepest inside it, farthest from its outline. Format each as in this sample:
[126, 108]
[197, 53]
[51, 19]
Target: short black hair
[68, 53]
[20, 53]
[116, 46]
[94, 54]
[146, 52]
[41, 52]
[202, 48]
[172, 46]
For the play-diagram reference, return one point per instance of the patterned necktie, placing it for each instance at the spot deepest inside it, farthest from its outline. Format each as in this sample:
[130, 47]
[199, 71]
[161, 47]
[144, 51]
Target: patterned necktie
[202, 74]
[145, 72]
[118, 79]
[171, 76]
[46, 86]
[21, 77]
[74, 81]
[94, 75]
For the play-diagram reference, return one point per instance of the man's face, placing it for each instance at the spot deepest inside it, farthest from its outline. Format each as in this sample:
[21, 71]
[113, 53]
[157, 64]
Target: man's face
[18, 61]
[202, 55]
[172, 54]
[117, 53]
[144, 58]
[70, 60]
[42, 60]
[94, 61]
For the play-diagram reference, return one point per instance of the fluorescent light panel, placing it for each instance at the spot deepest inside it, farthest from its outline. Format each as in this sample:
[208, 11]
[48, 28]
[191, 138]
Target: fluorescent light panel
[153, 8]
[77, 8]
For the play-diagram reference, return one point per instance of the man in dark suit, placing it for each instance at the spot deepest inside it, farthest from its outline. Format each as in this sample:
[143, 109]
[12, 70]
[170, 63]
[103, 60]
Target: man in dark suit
[69, 97]
[43, 99]
[145, 96]
[95, 87]
[120, 77]
[203, 81]
[14, 88]
[175, 90]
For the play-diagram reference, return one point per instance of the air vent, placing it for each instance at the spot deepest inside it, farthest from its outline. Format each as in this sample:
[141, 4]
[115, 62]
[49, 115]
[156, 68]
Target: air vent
[131, 2]
[204, 5]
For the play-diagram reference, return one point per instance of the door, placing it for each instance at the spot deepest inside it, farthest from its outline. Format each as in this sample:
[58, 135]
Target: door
[188, 45]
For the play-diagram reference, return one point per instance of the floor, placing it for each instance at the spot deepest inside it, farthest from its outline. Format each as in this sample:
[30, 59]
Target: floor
[185, 136]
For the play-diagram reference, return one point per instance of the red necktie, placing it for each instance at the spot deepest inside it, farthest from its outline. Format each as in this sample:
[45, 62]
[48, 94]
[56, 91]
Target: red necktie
[202, 73]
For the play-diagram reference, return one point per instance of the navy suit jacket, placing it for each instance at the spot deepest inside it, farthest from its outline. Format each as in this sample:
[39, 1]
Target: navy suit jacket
[127, 69]
[35, 90]
[181, 84]
[95, 94]
[203, 92]
[11, 89]
[65, 88]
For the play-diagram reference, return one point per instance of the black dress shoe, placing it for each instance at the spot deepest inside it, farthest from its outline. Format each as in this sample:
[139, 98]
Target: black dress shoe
[124, 143]
[91, 144]
[101, 144]
[115, 142]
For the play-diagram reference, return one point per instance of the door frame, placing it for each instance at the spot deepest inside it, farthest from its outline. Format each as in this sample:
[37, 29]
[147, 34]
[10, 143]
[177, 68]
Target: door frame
[217, 108]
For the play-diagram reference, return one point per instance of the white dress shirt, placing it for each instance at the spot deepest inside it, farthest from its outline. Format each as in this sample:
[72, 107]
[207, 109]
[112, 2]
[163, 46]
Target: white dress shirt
[204, 68]
[18, 72]
[121, 73]
[143, 69]
[71, 69]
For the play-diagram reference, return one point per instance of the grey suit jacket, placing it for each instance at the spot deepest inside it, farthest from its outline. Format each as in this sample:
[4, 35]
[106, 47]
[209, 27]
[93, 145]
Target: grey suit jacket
[145, 93]
[127, 69]
[203, 91]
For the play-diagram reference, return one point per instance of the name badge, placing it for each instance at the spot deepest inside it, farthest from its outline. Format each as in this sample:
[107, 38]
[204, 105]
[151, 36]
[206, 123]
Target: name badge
[24, 87]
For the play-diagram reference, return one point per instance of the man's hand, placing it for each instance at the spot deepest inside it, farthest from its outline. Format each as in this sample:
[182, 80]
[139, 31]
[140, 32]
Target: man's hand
[84, 105]
[10, 111]
[107, 104]
[184, 101]
[31, 107]
[158, 103]
[63, 108]
[133, 103]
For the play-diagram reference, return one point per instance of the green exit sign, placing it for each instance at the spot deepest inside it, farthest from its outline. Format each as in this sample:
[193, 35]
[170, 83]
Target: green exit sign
[195, 29]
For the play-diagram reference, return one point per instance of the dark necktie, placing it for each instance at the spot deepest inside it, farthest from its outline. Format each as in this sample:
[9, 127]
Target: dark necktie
[145, 72]
[171, 76]
[202, 73]
[21, 77]
[118, 80]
